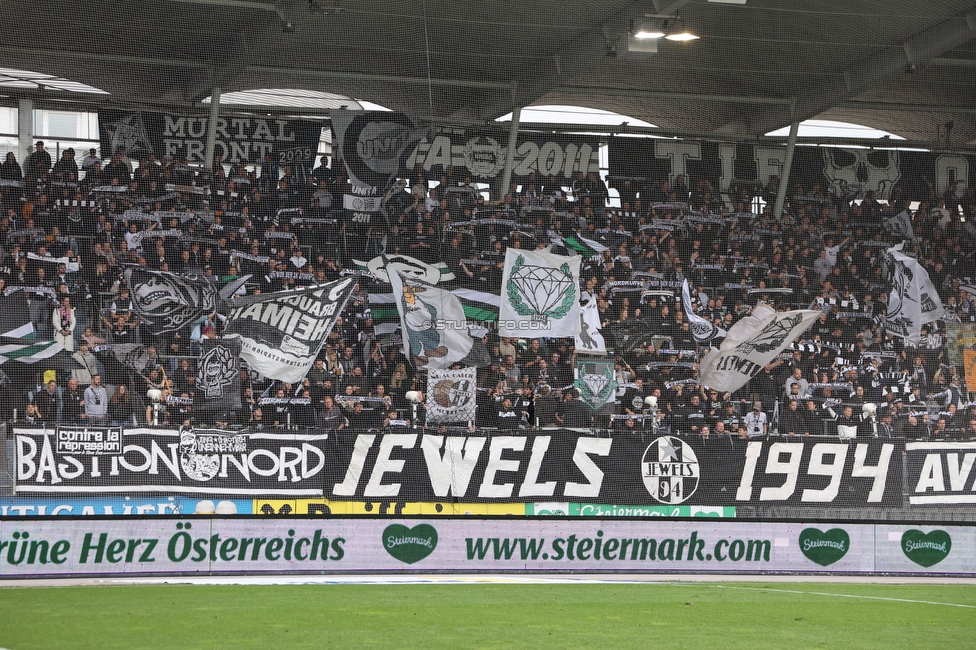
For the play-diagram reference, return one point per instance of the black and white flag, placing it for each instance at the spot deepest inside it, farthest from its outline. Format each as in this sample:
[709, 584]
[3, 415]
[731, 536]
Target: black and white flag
[900, 224]
[281, 333]
[374, 146]
[451, 395]
[168, 301]
[913, 300]
[701, 328]
[218, 377]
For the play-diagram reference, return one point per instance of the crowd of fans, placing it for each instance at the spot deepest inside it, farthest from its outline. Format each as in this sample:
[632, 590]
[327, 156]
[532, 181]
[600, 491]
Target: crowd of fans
[287, 229]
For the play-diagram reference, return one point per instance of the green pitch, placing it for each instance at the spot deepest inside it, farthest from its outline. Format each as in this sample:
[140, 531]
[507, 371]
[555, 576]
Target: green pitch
[735, 615]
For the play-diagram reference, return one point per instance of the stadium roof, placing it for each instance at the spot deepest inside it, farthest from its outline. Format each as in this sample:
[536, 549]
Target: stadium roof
[902, 66]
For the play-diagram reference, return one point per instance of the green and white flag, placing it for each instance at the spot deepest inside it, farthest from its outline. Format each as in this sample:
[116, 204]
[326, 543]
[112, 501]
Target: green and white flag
[27, 350]
[409, 268]
[540, 295]
[596, 381]
[479, 307]
[583, 246]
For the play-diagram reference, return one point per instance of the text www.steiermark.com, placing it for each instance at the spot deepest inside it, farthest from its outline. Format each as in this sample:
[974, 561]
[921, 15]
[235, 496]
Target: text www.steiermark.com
[576, 549]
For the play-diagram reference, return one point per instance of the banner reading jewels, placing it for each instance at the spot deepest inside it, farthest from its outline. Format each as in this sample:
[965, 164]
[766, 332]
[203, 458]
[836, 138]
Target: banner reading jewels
[66, 546]
[405, 465]
[239, 139]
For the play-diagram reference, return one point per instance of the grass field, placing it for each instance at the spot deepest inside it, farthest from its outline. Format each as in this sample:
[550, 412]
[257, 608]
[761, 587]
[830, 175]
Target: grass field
[701, 615]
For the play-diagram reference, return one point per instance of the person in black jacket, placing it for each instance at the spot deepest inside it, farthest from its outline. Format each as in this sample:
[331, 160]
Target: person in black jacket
[574, 412]
[38, 162]
[792, 421]
[10, 169]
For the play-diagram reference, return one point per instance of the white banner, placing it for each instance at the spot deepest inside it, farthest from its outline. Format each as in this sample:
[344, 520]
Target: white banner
[748, 348]
[702, 329]
[434, 326]
[281, 333]
[913, 300]
[540, 295]
[590, 339]
[901, 224]
[451, 395]
[361, 203]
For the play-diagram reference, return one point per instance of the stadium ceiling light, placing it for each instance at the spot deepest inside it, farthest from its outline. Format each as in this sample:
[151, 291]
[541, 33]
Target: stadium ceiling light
[645, 30]
[677, 31]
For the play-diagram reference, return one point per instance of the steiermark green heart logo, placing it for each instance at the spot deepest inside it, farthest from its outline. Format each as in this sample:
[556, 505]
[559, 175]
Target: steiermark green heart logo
[926, 549]
[409, 544]
[824, 548]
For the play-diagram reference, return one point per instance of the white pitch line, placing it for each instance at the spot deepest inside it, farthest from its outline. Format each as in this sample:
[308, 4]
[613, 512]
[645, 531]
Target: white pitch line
[862, 597]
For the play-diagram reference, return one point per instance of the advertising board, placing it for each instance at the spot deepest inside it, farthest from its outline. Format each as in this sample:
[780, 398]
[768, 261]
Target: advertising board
[118, 546]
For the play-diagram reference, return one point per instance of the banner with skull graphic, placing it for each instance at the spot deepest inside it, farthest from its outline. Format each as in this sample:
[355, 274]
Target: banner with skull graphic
[637, 163]
[451, 395]
[596, 381]
[218, 376]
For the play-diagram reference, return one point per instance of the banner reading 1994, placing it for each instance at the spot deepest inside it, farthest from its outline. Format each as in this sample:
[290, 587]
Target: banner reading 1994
[407, 465]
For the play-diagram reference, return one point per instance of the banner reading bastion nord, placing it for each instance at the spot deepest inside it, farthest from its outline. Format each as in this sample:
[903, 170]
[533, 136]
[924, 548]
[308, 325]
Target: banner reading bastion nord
[406, 465]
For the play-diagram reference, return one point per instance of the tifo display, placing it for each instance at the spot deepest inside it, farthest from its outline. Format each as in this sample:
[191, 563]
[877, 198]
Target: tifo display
[387, 337]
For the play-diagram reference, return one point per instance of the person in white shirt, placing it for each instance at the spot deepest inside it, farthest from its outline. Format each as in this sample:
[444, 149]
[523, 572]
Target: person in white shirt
[756, 422]
[832, 250]
[90, 159]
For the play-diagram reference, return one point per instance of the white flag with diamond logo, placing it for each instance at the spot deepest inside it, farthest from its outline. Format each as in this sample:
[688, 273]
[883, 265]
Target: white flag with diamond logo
[596, 381]
[540, 295]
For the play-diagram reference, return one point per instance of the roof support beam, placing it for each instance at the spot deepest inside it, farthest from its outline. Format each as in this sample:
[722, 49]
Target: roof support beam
[650, 94]
[385, 78]
[579, 53]
[922, 47]
[905, 108]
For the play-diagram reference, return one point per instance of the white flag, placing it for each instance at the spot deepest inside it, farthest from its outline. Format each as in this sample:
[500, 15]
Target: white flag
[435, 331]
[901, 224]
[540, 295]
[747, 349]
[451, 395]
[701, 328]
[913, 300]
[590, 339]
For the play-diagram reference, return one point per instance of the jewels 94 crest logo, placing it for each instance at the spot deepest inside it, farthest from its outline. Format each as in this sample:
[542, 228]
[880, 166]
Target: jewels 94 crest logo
[670, 470]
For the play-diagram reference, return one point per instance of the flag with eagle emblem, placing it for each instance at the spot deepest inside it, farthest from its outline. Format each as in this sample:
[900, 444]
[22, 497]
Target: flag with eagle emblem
[750, 345]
